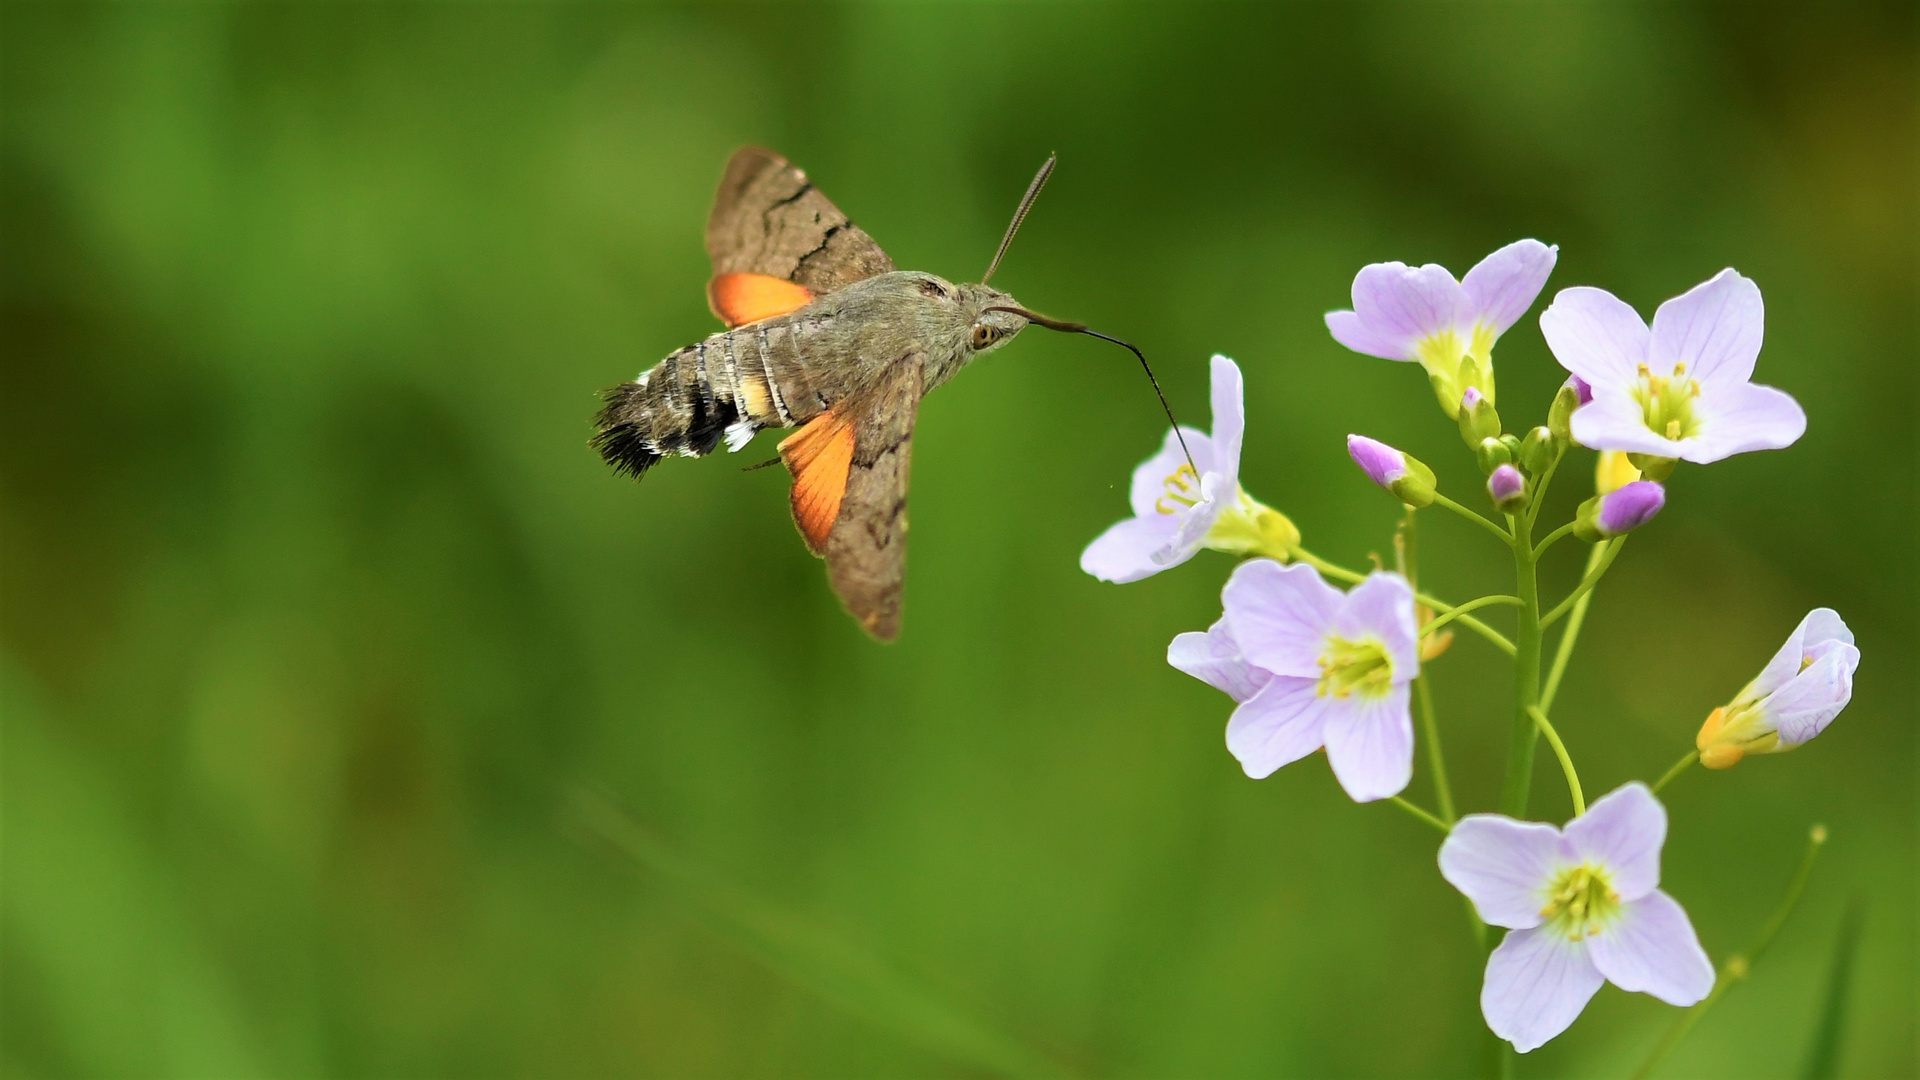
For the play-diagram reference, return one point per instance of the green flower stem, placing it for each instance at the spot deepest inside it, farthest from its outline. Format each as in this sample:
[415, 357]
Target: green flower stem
[1477, 519]
[1459, 610]
[1406, 557]
[1566, 763]
[1419, 813]
[1430, 732]
[1553, 536]
[1739, 965]
[1587, 583]
[1540, 488]
[1570, 635]
[1526, 673]
[1341, 573]
[1678, 767]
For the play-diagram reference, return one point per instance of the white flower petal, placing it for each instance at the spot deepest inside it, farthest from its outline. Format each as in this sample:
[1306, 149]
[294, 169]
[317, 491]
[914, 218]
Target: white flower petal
[1614, 421]
[1214, 658]
[1348, 329]
[1280, 614]
[1229, 421]
[1370, 743]
[1596, 336]
[1806, 705]
[1537, 983]
[1817, 626]
[1150, 479]
[1126, 552]
[1504, 285]
[1397, 300]
[1650, 948]
[1622, 832]
[1382, 607]
[1713, 328]
[1279, 725]
[1502, 865]
[1737, 419]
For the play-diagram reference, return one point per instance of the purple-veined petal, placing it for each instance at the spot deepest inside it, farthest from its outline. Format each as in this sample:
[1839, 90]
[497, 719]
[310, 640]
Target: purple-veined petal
[1741, 418]
[1214, 658]
[1277, 726]
[1808, 703]
[1596, 336]
[1614, 421]
[1650, 948]
[1348, 329]
[1279, 615]
[1817, 626]
[1622, 832]
[1502, 286]
[1229, 419]
[1149, 485]
[1713, 328]
[1537, 983]
[1217, 493]
[1126, 551]
[1397, 300]
[1502, 865]
[1370, 743]
[1382, 607]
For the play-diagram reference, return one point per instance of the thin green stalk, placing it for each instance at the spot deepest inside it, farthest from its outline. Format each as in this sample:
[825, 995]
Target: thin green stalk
[1739, 965]
[1473, 516]
[1341, 573]
[1552, 537]
[1430, 732]
[1421, 814]
[1566, 763]
[1540, 489]
[1570, 635]
[1587, 583]
[1459, 610]
[1678, 767]
[1526, 673]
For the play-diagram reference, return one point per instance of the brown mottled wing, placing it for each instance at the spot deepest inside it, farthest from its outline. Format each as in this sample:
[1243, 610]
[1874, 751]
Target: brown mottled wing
[768, 218]
[867, 550]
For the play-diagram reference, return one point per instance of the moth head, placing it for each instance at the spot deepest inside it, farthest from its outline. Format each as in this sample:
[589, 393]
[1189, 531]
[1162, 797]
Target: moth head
[989, 322]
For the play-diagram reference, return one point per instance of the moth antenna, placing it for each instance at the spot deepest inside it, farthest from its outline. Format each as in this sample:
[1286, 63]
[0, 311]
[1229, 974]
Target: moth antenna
[1026, 204]
[1065, 327]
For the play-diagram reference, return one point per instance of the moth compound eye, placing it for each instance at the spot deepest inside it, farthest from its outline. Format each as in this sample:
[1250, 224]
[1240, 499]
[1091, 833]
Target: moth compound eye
[984, 336]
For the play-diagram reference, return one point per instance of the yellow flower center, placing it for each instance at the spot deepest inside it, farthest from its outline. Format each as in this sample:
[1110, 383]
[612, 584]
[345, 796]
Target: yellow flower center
[1667, 402]
[1182, 487]
[1347, 666]
[1581, 901]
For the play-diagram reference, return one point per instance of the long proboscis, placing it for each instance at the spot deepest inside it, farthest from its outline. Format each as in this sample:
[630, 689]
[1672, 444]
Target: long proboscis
[1066, 327]
[1026, 204]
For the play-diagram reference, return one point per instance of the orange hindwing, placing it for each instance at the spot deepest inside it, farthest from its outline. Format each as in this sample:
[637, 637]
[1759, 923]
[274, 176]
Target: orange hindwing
[818, 455]
[739, 299]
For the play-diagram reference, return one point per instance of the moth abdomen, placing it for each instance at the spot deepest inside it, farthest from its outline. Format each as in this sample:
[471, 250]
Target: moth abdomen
[685, 405]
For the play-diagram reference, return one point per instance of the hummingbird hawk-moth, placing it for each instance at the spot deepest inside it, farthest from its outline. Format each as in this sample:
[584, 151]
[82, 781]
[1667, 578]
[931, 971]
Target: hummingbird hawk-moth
[825, 335]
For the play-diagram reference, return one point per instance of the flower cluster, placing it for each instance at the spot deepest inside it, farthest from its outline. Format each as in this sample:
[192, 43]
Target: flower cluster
[1310, 667]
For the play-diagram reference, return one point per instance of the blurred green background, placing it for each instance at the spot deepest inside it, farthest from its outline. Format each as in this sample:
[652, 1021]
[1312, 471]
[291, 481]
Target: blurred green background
[358, 722]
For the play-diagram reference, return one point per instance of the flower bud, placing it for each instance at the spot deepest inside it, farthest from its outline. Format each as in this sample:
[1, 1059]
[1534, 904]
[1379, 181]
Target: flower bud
[1407, 478]
[1492, 453]
[1536, 450]
[1613, 472]
[1478, 420]
[1573, 394]
[1508, 489]
[1806, 684]
[1620, 511]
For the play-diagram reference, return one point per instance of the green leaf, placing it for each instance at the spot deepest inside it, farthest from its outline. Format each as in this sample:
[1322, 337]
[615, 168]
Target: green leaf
[1823, 1058]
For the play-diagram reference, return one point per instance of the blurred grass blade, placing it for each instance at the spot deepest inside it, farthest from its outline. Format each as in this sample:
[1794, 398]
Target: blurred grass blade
[812, 957]
[1823, 1059]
